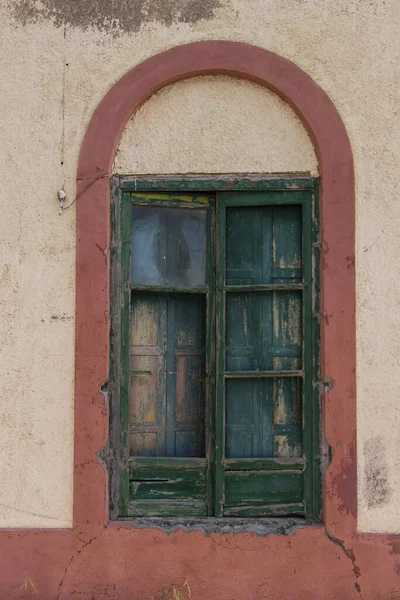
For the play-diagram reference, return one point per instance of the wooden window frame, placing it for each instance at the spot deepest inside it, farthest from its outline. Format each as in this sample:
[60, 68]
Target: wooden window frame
[117, 456]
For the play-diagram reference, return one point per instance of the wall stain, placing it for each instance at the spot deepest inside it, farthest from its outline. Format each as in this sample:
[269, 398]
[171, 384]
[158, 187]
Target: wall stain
[376, 488]
[112, 16]
[345, 483]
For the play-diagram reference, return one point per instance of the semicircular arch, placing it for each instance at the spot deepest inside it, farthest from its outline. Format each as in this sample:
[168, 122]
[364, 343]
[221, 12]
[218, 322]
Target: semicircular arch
[328, 134]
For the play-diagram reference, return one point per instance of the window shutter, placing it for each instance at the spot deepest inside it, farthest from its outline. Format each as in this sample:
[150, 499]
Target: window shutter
[262, 296]
[167, 469]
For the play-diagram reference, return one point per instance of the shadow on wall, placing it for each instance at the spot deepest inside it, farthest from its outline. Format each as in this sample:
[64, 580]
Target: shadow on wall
[112, 16]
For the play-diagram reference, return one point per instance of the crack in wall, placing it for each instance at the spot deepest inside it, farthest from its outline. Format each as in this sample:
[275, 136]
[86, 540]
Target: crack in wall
[350, 554]
[72, 560]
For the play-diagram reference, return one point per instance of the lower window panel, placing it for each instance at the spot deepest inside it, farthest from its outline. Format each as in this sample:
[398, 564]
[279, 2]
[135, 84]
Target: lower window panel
[262, 493]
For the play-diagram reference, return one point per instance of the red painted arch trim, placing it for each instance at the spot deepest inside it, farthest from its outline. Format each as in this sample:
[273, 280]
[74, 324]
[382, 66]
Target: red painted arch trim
[331, 142]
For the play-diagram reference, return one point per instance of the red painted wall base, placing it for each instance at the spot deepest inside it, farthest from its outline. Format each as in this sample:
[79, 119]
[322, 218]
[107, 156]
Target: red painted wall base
[122, 563]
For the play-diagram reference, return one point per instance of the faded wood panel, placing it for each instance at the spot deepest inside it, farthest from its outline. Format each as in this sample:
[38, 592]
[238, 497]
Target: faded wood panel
[286, 341]
[186, 375]
[286, 244]
[143, 388]
[287, 417]
[147, 375]
[167, 373]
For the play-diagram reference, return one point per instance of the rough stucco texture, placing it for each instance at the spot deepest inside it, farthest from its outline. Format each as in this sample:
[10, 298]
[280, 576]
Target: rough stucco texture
[214, 124]
[55, 70]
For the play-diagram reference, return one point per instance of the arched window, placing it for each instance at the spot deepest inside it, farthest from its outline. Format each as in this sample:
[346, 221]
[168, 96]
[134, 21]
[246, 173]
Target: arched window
[337, 313]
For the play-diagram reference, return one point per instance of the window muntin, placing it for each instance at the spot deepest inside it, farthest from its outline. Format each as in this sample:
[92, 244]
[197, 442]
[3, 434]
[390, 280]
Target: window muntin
[258, 422]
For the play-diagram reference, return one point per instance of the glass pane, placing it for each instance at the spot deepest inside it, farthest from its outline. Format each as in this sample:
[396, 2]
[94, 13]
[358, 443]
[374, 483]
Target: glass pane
[263, 331]
[264, 418]
[167, 374]
[169, 246]
[263, 245]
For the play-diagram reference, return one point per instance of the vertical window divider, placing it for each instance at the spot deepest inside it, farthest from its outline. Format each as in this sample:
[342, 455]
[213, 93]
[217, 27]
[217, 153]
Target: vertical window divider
[310, 401]
[220, 355]
[210, 428]
[316, 354]
[126, 223]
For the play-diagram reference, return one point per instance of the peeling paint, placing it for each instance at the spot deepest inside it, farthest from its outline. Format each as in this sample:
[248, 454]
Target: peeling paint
[112, 16]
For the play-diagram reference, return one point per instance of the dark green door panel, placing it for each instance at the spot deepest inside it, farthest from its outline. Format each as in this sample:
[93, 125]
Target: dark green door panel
[263, 332]
[263, 292]
[160, 489]
[264, 418]
[263, 245]
[263, 487]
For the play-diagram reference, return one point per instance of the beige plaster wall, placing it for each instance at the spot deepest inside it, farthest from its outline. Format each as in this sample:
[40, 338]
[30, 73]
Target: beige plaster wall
[215, 124]
[54, 73]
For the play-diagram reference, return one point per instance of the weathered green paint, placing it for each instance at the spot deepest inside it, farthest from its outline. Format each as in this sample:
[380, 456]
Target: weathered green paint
[168, 380]
[200, 183]
[169, 508]
[264, 464]
[125, 212]
[279, 287]
[261, 374]
[111, 454]
[173, 485]
[268, 510]
[167, 464]
[264, 288]
[210, 361]
[152, 198]
[263, 488]
[268, 343]
[312, 387]
[220, 260]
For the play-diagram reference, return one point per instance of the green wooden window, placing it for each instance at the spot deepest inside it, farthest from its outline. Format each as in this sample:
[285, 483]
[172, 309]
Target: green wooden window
[215, 351]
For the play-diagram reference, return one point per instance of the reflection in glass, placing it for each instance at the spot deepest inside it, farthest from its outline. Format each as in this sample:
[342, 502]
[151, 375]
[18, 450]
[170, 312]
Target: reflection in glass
[168, 247]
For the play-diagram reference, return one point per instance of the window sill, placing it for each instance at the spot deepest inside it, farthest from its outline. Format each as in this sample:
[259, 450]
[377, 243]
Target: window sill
[211, 525]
